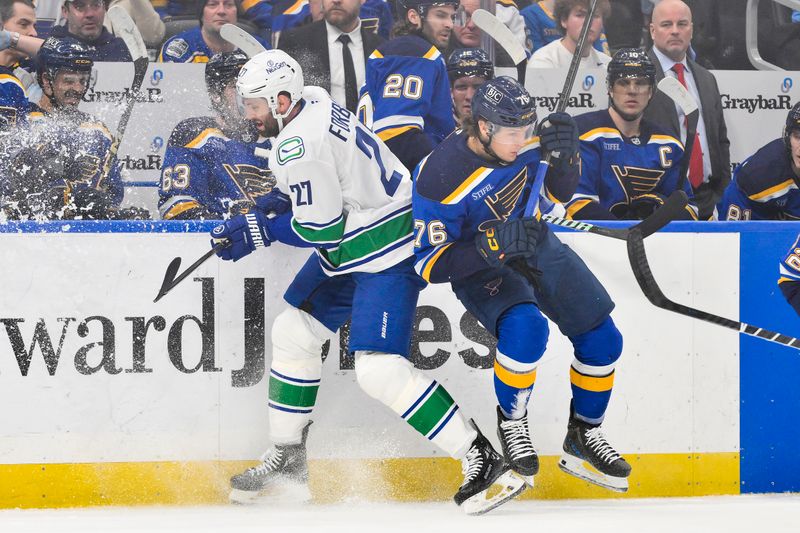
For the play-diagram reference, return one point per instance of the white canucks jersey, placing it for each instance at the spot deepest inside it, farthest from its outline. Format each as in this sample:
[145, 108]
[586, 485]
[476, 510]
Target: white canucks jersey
[351, 197]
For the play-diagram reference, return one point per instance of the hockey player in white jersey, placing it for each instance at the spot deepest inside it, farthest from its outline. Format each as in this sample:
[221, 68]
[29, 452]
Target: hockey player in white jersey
[348, 197]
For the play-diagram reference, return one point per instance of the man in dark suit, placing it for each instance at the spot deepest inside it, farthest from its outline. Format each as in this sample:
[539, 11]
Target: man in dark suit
[333, 51]
[709, 166]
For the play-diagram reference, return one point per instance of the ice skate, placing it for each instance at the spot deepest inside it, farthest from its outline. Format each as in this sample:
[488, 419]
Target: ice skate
[587, 455]
[515, 440]
[484, 468]
[282, 476]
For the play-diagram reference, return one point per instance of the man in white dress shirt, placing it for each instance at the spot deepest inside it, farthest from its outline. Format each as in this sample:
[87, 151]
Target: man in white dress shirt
[569, 15]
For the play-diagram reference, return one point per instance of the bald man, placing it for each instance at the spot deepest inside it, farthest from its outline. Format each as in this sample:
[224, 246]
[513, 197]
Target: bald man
[709, 169]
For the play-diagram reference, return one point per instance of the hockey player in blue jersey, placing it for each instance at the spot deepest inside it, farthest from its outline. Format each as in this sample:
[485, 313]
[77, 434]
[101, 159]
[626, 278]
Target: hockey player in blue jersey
[765, 185]
[469, 196]
[629, 166]
[406, 95]
[468, 69]
[65, 168]
[789, 280]
[216, 166]
[349, 198]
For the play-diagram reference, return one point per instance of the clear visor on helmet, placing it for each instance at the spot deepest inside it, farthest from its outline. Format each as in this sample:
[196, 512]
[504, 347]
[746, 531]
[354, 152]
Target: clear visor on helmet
[512, 135]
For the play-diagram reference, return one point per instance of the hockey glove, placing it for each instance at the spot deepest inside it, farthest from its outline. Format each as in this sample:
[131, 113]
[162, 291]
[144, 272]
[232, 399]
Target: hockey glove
[515, 238]
[244, 232]
[274, 202]
[639, 208]
[558, 134]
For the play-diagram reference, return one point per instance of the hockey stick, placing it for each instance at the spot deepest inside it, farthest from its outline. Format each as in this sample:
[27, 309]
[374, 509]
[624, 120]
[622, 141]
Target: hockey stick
[644, 276]
[661, 217]
[171, 276]
[500, 33]
[125, 28]
[563, 98]
[683, 99]
[241, 39]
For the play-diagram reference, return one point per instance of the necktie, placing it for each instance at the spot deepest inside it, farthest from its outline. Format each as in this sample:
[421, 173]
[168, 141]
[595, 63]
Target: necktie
[696, 161]
[350, 89]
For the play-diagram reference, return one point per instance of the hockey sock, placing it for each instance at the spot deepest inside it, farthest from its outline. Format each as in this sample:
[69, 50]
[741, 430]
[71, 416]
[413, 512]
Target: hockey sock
[592, 371]
[419, 400]
[295, 374]
[522, 336]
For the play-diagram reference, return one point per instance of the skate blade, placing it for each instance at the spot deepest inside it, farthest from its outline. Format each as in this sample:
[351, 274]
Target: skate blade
[510, 485]
[282, 494]
[579, 468]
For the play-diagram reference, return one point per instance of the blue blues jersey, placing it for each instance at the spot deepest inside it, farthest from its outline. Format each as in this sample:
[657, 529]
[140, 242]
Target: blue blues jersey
[763, 187]
[541, 28]
[85, 141]
[789, 280]
[457, 194]
[376, 16]
[406, 99]
[14, 105]
[207, 174]
[190, 47]
[616, 171]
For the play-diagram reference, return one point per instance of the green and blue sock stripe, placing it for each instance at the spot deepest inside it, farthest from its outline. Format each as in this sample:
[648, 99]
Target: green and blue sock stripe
[292, 395]
[431, 412]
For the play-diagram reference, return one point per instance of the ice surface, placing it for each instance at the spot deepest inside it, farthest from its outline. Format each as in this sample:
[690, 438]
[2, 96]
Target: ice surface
[728, 514]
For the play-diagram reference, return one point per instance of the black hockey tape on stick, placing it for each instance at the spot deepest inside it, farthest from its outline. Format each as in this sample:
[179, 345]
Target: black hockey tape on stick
[171, 276]
[662, 216]
[644, 276]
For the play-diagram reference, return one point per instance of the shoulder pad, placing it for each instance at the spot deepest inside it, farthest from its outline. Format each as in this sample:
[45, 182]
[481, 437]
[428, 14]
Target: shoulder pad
[447, 169]
[407, 45]
[190, 129]
[764, 170]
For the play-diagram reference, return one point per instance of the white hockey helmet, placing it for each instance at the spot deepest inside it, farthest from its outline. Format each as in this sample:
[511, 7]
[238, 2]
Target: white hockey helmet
[268, 74]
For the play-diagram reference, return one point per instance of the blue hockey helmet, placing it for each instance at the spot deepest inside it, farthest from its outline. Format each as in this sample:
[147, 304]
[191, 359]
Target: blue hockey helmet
[223, 68]
[505, 102]
[63, 53]
[792, 123]
[630, 63]
[469, 62]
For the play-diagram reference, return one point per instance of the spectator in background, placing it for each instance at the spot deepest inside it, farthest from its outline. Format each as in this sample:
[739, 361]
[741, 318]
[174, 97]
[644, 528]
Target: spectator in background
[198, 44]
[146, 19]
[764, 186]
[541, 26]
[214, 166]
[709, 165]
[18, 18]
[376, 16]
[334, 51]
[467, 69]
[84, 22]
[570, 15]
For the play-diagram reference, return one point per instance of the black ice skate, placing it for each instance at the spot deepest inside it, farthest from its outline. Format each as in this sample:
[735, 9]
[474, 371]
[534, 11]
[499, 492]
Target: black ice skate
[515, 440]
[585, 443]
[483, 468]
[281, 476]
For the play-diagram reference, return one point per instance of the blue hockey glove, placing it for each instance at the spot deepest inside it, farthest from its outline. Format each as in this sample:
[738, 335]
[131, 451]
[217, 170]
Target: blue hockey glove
[244, 232]
[274, 202]
[515, 238]
[558, 134]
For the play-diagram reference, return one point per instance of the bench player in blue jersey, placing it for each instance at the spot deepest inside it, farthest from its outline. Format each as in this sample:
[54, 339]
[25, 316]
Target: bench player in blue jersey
[65, 167]
[405, 99]
[468, 69]
[765, 185]
[629, 166]
[216, 166]
[469, 196]
[789, 280]
[349, 198]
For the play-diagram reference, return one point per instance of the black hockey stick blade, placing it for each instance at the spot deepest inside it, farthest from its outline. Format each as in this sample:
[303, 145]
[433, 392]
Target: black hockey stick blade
[171, 276]
[647, 282]
[660, 218]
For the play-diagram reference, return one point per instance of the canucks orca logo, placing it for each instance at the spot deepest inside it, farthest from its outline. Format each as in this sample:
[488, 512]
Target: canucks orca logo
[636, 181]
[253, 181]
[502, 203]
